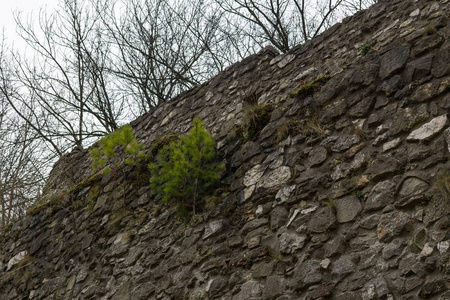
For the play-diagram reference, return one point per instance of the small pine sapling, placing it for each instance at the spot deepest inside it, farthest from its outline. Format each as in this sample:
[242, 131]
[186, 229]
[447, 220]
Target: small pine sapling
[108, 146]
[185, 169]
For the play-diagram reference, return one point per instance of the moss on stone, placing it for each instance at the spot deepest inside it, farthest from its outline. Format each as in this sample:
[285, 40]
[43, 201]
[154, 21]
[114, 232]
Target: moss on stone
[160, 142]
[117, 218]
[310, 88]
[256, 117]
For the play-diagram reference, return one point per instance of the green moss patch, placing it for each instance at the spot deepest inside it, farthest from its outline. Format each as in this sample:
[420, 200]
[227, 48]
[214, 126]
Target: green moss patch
[310, 88]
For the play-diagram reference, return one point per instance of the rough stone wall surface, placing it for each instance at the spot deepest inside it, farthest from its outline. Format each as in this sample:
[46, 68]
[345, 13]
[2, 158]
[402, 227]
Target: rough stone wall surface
[344, 193]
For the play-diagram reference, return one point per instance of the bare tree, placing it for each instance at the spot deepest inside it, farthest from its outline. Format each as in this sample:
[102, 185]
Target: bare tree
[162, 47]
[286, 23]
[22, 166]
[66, 82]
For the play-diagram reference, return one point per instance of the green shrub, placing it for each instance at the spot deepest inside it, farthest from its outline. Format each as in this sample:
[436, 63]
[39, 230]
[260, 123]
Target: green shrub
[364, 49]
[185, 169]
[109, 144]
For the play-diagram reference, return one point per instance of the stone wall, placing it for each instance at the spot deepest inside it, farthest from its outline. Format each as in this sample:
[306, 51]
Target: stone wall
[342, 192]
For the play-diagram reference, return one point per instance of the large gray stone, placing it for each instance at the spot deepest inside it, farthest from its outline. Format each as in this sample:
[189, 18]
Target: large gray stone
[249, 290]
[343, 266]
[214, 227]
[278, 217]
[322, 219]
[317, 156]
[411, 188]
[347, 208]
[308, 273]
[393, 61]
[345, 142]
[291, 241]
[253, 175]
[16, 259]
[381, 195]
[276, 177]
[393, 224]
[273, 287]
[428, 130]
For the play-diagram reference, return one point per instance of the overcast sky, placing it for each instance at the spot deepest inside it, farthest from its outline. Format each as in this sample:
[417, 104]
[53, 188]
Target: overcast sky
[26, 6]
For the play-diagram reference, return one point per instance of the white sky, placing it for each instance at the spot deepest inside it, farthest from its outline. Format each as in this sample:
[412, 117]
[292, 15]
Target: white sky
[26, 6]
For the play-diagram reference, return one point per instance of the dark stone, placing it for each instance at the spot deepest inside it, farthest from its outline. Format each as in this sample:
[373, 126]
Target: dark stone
[393, 249]
[345, 142]
[322, 219]
[369, 222]
[381, 286]
[273, 288]
[349, 296]
[343, 266]
[278, 217]
[217, 285]
[393, 224]
[432, 287]
[426, 44]
[419, 68]
[334, 110]
[381, 195]
[361, 109]
[383, 166]
[323, 291]
[391, 86]
[308, 273]
[441, 67]
[317, 156]
[393, 61]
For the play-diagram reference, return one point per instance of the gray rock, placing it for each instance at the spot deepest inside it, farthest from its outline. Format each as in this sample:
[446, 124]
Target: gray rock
[361, 109]
[335, 246]
[278, 217]
[447, 138]
[381, 195]
[291, 241]
[381, 287]
[392, 144]
[383, 166]
[392, 85]
[284, 193]
[345, 142]
[343, 266]
[393, 224]
[347, 209]
[249, 290]
[276, 177]
[317, 156]
[412, 187]
[273, 287]
[370, 222]
[16, 259]
[217, 285]
[394, 248]
[262, 269]
[393, 61]
[287, 59]
[308, 273]
[214, 227]
[253, 175]
[322, 219]
[432, 287]
[428, 130]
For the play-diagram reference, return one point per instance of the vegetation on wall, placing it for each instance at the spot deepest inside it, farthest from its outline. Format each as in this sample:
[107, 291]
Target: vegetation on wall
[185, 169]
[110, 144]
